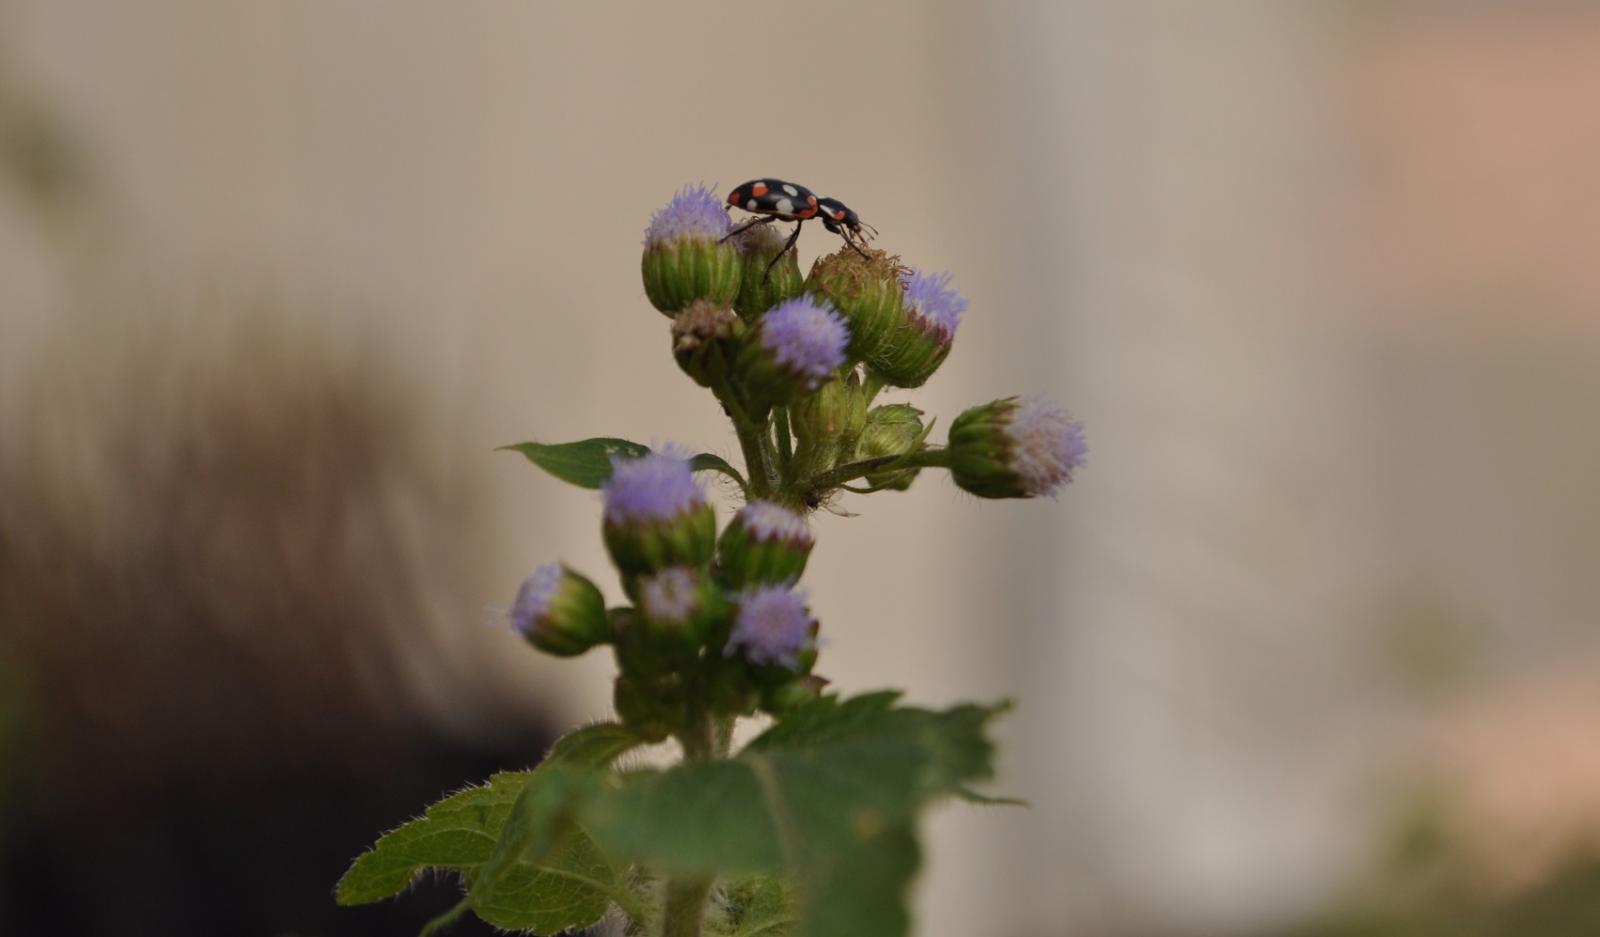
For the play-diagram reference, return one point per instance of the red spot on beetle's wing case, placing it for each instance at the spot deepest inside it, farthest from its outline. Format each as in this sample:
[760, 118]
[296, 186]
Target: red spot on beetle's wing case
[759, 190]
[811, 200]
[735, 197]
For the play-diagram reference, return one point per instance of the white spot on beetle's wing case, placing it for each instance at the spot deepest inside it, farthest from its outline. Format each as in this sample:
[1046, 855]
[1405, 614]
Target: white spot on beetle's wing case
[751, 205]
[784, 206]
[794, 192]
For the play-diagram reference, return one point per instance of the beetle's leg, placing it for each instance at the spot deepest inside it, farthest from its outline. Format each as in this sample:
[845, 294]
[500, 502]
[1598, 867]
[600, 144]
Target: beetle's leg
[787, 247]
[845, 233]
[764, 219]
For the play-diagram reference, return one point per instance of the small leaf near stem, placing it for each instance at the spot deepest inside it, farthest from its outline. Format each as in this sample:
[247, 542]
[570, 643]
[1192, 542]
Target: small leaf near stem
[925, 458]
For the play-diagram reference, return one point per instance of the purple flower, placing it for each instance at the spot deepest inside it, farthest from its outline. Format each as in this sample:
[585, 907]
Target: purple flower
[930, 299]
[805, 336]
[656, 487]
[767, 521]
[534, 597]
[671, 595]
[773, 626]
[1049, 445]
[695, 212]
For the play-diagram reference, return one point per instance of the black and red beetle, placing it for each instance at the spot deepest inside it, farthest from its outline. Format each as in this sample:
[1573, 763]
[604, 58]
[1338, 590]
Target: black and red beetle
[776, 200]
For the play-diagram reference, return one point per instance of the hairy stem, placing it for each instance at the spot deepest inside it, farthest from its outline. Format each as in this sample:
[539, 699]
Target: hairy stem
[686, 904]
[923, 458]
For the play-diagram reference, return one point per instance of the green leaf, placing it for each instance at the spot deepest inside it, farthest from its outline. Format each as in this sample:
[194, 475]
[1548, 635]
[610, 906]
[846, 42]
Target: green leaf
[545, 886]
[586, 463]
[830, 796]
[706, 462]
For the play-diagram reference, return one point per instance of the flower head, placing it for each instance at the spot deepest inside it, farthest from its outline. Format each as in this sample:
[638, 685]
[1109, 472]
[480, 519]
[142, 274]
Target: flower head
[929, 298]
[560, 612]
[807, 337]
[773, 627]
[655, 487]
[695, 213]
[768, 521]
[1048, 445]
[671, 595]
[535, 596]
[1018, 447]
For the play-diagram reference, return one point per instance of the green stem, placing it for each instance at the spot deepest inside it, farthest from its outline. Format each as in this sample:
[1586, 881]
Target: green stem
[686, 896]
[755, 442]
[686, 905]
[923, 458]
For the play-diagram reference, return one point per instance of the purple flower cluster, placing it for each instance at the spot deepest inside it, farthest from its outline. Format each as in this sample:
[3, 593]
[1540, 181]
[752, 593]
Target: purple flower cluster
[534, 597]
[929, 298]
[1049, 445]
[806, 336]
[695, 212]
[773, 626]
[656, 487]
[767, 521]
[669, 595]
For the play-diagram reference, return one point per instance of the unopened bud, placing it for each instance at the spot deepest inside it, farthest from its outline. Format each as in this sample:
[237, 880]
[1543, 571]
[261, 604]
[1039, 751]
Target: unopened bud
[1019, 447]
[764, 284]
[704, 339]
[560, 612]
[894, 429]
[764, 543]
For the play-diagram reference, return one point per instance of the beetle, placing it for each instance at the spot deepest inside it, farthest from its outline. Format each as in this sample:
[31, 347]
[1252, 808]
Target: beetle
[777, 200]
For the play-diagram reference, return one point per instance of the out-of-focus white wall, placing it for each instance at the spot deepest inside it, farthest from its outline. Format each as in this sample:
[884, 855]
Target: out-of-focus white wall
[1164, 215]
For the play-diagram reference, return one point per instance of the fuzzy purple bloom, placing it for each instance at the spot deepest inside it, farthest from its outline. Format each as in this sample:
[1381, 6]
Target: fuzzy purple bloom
[1049, 445]
[767, 521]
[928, 296]
[695, 212]
[806, 336]
[656, 487]
[773, 626]
[670, 595]
[534, 597]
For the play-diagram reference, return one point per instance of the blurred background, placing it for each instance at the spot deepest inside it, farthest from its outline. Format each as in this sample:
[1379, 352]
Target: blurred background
[1310, 648]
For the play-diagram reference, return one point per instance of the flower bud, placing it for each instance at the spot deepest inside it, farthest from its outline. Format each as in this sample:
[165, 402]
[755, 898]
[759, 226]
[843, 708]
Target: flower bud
[778, 698]
[893, 429]
[680, 608]
[827, 424]
[764, 543]
[866, 291]
[656, 514]
[791, 351]
[704, 339]
[560, 612]
[773, 627]
[684, 256]
[1019, 447]
[764, 284]
[920, 338]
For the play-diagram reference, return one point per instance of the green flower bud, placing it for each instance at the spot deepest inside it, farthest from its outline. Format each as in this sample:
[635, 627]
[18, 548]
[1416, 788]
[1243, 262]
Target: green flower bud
[893, 429]
[765, 543]
[764, 284]
[827, 424]
[656, 515]
[866, 291]
[560, 612]
[1015, 448]
[705, 338]
[681, 609]
[684, 256]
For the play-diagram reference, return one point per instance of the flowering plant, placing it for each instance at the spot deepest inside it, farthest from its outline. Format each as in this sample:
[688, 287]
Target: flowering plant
[809, 829]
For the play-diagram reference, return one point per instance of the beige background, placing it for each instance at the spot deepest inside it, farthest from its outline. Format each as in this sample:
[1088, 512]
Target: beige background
[1320, 280]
